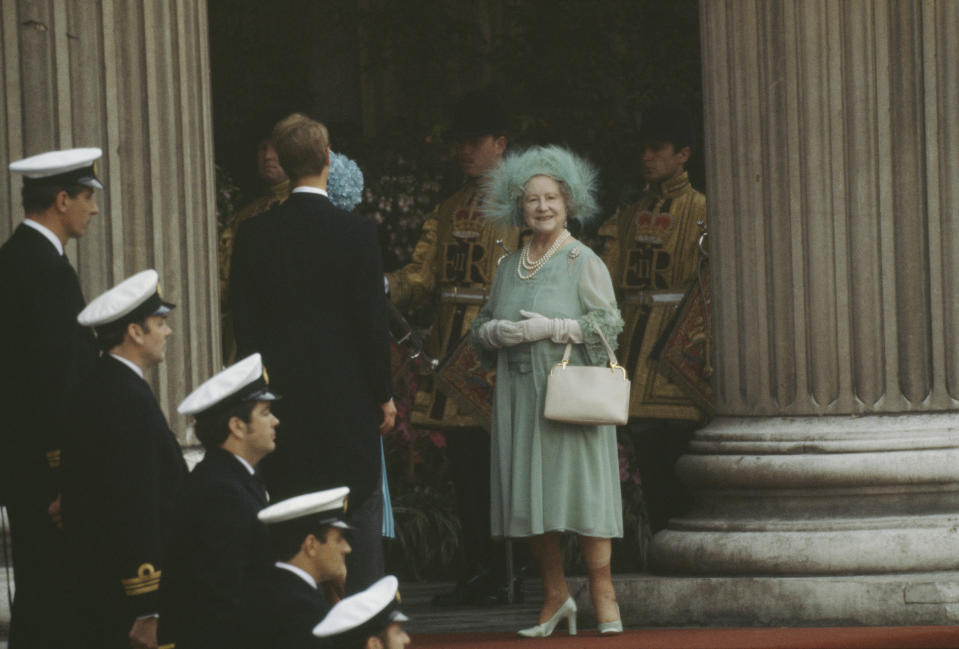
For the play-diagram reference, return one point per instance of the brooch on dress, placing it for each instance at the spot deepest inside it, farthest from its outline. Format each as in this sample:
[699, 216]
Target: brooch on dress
[573, 255]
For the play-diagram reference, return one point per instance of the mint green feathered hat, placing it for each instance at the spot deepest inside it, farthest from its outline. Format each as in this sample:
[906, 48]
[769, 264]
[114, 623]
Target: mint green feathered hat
[504, 185]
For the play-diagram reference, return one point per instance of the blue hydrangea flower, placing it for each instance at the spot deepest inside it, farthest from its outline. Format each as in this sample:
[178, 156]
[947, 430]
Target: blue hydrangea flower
[345, 184]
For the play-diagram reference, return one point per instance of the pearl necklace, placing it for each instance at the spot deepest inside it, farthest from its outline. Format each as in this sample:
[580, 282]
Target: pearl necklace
[532, 267]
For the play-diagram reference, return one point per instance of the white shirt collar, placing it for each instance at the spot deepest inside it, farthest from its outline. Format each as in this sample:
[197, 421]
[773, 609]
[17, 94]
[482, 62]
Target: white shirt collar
[299, 572]
[45, 231]
[133, 366]
[243, 462]
[304, 189]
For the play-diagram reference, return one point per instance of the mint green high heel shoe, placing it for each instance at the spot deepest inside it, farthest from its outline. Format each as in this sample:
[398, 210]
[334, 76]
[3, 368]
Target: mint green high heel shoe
[567, 610]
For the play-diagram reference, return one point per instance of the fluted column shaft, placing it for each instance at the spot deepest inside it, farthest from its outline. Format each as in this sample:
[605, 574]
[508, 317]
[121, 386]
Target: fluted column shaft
[133, 79]
[831, 131]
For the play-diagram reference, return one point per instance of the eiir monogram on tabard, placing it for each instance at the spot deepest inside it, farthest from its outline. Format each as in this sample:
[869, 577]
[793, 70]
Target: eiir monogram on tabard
[464, 262]
[647, 267]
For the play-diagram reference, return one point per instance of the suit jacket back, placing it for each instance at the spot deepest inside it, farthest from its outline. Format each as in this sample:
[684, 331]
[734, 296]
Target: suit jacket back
[307, 292]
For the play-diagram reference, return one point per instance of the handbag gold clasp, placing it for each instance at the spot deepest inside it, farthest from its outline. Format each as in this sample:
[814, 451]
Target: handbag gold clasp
[616, 366]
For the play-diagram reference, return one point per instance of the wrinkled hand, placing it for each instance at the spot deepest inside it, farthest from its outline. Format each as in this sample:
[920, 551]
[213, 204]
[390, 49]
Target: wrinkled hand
[143, 633]
[500, 333]
[389, 417]
[53, 511]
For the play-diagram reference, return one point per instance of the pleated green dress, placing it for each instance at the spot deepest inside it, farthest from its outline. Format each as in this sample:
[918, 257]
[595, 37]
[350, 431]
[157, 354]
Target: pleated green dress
[548, 476]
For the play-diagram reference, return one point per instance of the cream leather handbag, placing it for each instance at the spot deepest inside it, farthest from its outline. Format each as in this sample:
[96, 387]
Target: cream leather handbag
[588, 395]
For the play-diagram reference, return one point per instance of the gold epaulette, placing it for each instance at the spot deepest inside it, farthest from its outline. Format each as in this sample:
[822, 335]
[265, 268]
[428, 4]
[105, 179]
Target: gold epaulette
[146, 581]
[53, 459]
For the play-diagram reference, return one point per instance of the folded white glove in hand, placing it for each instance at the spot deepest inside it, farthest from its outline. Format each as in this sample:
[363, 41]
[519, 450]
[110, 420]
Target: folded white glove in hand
[536, 326]
[499, 333]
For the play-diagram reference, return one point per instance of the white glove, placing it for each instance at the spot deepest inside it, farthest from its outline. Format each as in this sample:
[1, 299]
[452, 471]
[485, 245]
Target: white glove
[499, 333]
[536, 326]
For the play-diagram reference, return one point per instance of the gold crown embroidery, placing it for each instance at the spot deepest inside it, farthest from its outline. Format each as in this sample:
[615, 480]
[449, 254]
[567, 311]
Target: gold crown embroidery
[653, 228]
[53, 459]
[468, 222]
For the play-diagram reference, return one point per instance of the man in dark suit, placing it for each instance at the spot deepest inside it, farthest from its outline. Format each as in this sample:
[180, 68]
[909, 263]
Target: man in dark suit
[219, 543]
[45, 355]
[122, 471]
[310, 549]
[306, 289]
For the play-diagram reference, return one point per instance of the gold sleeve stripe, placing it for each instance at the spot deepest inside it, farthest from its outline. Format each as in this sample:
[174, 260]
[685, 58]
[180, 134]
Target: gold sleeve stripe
[53, 459]
[146, 581]
[167, 646]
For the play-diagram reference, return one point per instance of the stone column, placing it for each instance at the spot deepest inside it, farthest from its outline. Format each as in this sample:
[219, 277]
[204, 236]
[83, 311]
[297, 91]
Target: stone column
[833, 189]
[827, 487]
[132, 78]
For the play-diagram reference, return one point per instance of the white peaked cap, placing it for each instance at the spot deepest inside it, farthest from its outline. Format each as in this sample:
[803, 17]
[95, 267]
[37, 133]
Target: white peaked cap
[375, 606]
[332, 502]
[245, 380]
[55, 163]
[125, 298]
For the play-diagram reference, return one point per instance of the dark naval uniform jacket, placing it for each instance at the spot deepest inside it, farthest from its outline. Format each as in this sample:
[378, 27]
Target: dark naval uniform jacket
[123, 469]
[219, 544]
[307, 292]
[281, 610]
[45, 355]
[45, 352]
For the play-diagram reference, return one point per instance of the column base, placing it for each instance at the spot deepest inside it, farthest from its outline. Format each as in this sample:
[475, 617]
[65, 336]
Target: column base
[804, 496]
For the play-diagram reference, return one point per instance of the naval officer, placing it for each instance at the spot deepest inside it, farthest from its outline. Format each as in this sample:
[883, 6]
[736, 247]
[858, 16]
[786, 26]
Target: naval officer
[219, 543]
[45, 355]
[308, 539]
[122, 471]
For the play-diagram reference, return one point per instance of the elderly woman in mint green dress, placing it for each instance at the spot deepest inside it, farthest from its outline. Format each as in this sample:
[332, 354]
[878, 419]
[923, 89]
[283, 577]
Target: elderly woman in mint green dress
[548, 477]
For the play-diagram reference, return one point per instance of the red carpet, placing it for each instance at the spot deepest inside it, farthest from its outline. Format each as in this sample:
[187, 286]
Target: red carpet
[921, 637]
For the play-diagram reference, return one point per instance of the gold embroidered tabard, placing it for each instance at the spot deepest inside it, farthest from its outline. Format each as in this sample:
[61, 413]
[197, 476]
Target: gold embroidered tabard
[454, 261]
[651, 250]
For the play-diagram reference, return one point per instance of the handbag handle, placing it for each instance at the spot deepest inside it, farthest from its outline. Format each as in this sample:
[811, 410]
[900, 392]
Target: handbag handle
[613, 363]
